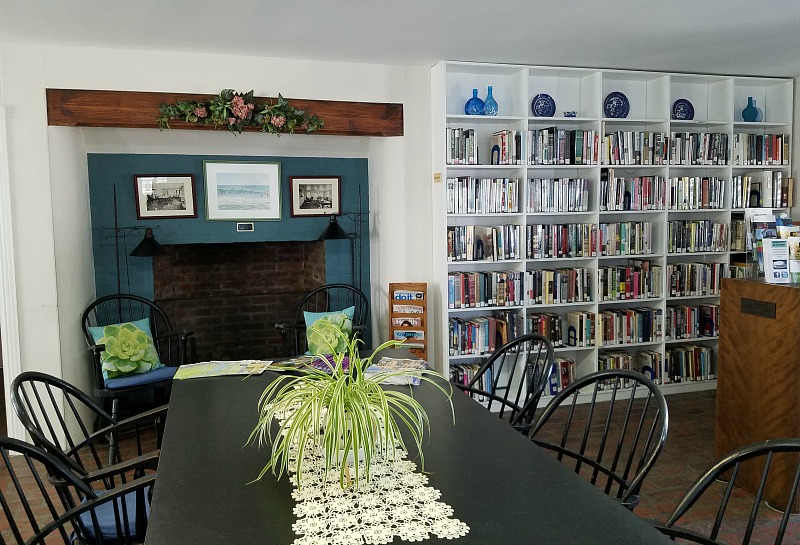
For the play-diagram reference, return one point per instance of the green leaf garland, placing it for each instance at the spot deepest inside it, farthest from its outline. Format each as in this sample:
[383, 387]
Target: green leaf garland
[238, 110]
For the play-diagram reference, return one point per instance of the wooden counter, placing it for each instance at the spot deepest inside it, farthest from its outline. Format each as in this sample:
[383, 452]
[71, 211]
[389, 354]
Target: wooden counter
[758, 385]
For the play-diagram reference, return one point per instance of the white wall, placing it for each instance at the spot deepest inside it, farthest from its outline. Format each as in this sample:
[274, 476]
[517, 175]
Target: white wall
[47, 168]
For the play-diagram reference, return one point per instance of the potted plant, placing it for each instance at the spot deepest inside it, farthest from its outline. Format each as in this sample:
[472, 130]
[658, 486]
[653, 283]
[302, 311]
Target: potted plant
[342, 411]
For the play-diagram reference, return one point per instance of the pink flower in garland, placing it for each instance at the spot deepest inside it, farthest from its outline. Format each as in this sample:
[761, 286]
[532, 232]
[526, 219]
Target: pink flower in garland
[278, 120]
[200, 112]
[241, 109]
[231, 120]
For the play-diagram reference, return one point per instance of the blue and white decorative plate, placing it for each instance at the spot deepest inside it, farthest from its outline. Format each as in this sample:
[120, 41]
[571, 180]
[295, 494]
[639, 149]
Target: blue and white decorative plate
[543, 105]
[616, 105]
[682, 110]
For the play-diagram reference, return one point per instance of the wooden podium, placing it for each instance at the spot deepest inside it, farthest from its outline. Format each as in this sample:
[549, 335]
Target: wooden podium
[758, 384]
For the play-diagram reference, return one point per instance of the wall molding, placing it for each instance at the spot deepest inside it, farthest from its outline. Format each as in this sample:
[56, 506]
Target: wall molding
[9, 316]
[139, 109]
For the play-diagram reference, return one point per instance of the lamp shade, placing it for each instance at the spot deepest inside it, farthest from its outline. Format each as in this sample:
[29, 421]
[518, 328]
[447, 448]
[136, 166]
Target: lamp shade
[333, 231]
[149, 246]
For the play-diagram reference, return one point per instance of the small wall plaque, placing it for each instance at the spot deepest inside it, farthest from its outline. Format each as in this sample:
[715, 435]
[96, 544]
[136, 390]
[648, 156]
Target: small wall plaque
[763, 309]
[244, 227]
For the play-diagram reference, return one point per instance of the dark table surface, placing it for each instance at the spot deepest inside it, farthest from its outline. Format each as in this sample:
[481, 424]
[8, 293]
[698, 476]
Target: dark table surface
[505, 488]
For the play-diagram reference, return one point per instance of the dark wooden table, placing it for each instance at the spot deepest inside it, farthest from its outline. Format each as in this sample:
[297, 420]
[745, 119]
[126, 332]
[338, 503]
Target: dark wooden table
[505, 488]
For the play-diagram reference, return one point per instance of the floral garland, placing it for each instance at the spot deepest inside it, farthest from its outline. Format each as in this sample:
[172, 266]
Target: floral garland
[237, 111]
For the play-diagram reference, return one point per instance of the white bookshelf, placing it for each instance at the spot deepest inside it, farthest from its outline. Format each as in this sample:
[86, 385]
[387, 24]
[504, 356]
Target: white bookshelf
[717, 102]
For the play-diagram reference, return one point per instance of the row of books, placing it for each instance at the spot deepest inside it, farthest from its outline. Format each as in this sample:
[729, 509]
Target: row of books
[484, 289]
[689, 363]
[690, 236]
[554, 146]
[636, 280]
[695, 193]
[580, 328]
[692, 279]
[481, 243]
[462, 146]
[563, 375]
[679, 363]
[760, 149]
[561, 240]
[558, 286]
[625, 238]
[468, 195]
[699, 148]
[505, 148]
[690, 322]
[465, 372]
[766, 188]
[558, 195]
[617, 327]
[637, 193]
[483, 334]
[634, 148]
[548, 325]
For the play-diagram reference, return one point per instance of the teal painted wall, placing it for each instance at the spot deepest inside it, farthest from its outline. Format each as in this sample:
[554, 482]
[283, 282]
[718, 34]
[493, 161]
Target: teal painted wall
[109, 170]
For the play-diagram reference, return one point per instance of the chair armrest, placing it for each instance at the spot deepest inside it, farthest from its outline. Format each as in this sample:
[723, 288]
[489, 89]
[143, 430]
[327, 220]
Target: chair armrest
[136, 424]
[490, 397]
[70, 519]
[138, 465]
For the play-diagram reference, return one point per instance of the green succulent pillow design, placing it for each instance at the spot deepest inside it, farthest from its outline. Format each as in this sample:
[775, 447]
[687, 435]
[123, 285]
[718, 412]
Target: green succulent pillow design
[129, 348]
[328, 332]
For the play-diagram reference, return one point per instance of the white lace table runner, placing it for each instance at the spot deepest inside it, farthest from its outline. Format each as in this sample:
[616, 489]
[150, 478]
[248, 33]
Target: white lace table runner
[395, 502]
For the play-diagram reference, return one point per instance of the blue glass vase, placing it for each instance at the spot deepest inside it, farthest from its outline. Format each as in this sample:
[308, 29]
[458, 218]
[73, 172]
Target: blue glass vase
[474, 106]
[490, 104]
[750, 112]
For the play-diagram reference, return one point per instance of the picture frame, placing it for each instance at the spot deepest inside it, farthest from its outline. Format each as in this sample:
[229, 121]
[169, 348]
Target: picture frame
[165, 196]
[242, 190]
[315, 195]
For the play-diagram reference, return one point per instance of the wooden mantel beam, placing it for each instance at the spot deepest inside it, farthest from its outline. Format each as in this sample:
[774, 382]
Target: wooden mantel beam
[137, 109]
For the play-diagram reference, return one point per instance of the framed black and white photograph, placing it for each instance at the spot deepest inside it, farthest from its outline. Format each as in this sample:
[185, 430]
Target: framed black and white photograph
[315, 195]
[165, 196]
[242, 190]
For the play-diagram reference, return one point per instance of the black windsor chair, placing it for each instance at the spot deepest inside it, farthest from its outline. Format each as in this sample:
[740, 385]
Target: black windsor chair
[327, 298]
[615, 437]
[72, 513]
[59, 418]
[511, 381]
[761, 465]
[173, 347]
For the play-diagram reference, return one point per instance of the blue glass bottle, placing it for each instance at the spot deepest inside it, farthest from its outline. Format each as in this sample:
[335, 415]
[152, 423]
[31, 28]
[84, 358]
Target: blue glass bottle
[750, 112]
[490, 104]
[474, 106]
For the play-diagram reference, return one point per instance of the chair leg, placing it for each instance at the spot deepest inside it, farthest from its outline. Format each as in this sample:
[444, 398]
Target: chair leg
[112, 443]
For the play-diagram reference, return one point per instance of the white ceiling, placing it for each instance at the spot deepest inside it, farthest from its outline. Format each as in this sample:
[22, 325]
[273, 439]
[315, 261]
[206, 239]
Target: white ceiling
[705, 36]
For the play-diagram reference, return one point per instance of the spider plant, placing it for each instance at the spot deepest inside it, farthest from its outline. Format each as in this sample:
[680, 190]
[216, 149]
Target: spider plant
[347, 414]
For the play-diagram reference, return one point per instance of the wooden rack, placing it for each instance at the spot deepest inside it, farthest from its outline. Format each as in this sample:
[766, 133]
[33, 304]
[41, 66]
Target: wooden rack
[408, 315]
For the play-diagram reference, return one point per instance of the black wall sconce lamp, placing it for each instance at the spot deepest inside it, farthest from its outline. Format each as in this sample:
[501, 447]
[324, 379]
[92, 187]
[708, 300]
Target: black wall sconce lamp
[148, 247]
[334, 231]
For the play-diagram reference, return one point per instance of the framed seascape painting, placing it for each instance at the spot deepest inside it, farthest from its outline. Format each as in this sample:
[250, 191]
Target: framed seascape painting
[165, 196]
[242, 190]
[315, 195]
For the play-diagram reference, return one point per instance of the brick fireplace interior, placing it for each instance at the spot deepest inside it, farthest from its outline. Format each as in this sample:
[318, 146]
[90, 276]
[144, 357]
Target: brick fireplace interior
[232, 294]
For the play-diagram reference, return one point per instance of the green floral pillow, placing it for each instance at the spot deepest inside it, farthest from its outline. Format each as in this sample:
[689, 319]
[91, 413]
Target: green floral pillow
[328, 332]
[129, 348]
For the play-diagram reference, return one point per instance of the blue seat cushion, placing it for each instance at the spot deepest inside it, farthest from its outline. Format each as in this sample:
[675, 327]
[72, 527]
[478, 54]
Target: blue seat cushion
[162, 373]
[106, 519]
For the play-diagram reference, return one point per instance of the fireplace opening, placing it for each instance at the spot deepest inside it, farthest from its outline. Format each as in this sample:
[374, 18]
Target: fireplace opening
[232, 295]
